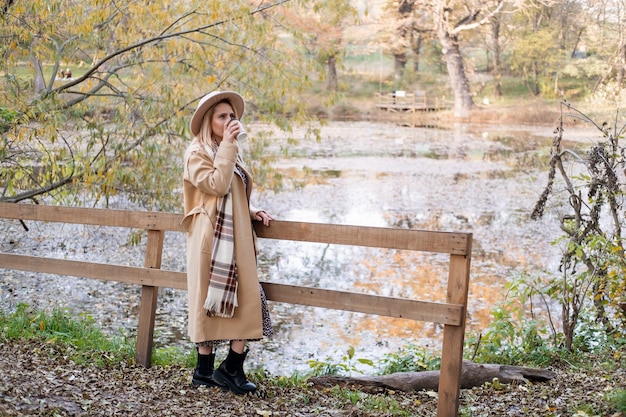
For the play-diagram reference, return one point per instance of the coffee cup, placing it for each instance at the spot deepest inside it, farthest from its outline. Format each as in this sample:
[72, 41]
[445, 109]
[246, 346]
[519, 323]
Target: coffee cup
[243, 134]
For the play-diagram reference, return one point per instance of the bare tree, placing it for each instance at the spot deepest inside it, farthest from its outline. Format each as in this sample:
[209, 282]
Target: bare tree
[450, 23]
[447, 21]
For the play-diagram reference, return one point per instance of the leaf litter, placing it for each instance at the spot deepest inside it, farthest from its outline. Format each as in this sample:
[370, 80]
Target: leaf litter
[39, 379]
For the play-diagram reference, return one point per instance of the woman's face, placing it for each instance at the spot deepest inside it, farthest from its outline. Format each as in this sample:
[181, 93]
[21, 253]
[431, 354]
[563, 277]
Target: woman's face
[222, 113]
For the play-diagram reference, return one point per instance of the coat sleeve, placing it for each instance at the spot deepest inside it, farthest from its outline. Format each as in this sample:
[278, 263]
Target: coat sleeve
[212, 176]
[253, 211]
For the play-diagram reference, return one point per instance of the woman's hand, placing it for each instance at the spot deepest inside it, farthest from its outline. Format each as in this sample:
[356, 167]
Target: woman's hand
[231, 130]
[262, 216]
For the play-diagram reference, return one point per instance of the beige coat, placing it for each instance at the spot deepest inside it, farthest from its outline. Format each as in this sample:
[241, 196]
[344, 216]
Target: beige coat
[204, 180]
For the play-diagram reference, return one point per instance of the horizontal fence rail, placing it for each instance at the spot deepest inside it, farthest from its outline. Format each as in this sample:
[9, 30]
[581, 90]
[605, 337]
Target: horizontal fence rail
[150, 277]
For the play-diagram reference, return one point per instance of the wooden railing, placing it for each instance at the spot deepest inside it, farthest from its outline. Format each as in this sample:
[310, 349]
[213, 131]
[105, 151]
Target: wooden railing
[411, 102]
[451, 314]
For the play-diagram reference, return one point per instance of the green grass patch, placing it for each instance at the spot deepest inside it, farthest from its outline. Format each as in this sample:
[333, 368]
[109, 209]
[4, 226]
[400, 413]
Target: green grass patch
[617, 399]
[84, 341]
[7, 115]
[81, 338]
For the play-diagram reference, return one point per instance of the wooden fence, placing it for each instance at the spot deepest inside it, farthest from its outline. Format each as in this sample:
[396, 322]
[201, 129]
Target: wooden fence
[451, 314]
[411, 102]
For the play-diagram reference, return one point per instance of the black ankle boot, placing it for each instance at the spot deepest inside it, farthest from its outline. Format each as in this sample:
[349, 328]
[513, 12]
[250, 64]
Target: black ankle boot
[203, 374]
[230, 373]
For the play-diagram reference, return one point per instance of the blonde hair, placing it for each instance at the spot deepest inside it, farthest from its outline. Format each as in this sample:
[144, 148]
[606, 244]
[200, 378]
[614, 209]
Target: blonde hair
[206, 131]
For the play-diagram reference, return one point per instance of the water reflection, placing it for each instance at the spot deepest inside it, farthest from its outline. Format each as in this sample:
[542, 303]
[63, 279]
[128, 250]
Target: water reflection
[464, 179]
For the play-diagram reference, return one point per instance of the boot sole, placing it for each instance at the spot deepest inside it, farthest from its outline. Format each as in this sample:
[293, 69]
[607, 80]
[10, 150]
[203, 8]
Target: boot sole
[197, 383]
[233, 388]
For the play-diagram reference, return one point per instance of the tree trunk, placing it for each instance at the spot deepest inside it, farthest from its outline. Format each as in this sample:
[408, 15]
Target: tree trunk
[39, 83]
[622, 64]
[332, 73]
[463, 103]
[494, 45]
[472, 375]
[416, 45]
[399, 60]
[536, 81]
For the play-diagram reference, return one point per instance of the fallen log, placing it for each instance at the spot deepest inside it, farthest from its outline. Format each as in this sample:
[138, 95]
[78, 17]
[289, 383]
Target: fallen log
[472, 375]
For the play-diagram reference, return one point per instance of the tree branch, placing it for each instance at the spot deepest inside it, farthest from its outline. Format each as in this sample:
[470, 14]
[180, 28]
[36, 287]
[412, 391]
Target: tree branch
[466, 24]
[155, 39]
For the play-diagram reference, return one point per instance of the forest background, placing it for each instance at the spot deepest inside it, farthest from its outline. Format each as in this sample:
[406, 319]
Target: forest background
[97, 96]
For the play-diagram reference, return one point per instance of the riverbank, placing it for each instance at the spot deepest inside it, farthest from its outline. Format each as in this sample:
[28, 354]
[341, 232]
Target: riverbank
[520, 112]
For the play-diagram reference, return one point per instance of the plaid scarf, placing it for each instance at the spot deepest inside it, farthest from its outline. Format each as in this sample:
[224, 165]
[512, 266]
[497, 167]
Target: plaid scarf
[221, 297]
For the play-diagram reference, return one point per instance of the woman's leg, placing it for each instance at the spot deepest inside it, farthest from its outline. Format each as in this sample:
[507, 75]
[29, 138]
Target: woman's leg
[205, 350]
[238, 345]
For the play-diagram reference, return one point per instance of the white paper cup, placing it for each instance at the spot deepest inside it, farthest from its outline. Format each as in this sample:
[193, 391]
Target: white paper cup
[243, 134]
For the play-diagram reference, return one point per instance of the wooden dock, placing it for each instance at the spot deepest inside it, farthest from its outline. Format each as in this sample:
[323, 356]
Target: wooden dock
[402, 101]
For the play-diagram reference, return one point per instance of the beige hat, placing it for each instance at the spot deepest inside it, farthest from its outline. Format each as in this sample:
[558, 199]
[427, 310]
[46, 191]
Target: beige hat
[235, 100]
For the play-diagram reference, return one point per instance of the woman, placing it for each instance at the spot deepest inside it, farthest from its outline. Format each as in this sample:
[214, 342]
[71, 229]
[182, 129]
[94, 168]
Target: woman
[226, 301]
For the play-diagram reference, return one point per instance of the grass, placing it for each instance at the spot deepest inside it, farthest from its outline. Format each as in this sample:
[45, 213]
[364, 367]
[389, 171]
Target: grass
[89, 343]
[618, 400]
[86, 341]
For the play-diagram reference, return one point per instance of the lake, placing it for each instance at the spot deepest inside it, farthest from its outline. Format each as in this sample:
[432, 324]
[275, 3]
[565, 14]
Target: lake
[479, 179]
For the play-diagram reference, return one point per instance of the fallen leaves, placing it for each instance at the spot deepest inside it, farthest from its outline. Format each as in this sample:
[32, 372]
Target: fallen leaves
[38, 379]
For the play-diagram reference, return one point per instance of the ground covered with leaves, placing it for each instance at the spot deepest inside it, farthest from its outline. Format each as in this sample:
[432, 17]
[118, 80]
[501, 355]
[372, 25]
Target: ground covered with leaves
[39, 379]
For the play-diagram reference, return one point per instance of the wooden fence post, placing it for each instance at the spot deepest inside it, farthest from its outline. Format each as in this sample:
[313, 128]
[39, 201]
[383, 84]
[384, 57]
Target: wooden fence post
[149, 296]
[453, 336]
